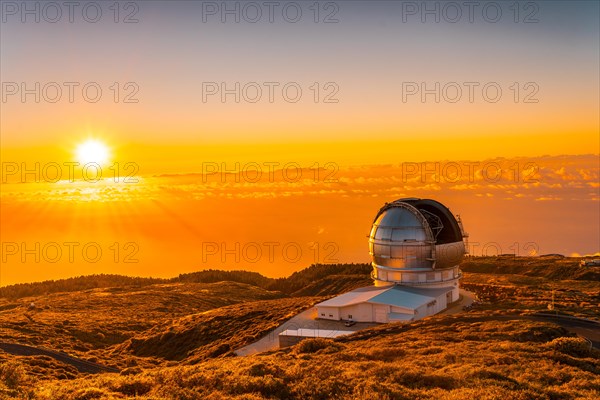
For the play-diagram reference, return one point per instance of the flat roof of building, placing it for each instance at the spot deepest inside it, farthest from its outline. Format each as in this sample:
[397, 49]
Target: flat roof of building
[314, 333]
[405, 297]
[400, 296]
[356, 296]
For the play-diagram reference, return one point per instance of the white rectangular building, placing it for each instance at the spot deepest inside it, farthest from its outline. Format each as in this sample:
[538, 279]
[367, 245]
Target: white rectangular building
[385, 304]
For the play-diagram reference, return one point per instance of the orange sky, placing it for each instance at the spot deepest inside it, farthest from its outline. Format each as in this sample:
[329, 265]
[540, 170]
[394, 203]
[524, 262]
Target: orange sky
[178, 223]
[356, 118]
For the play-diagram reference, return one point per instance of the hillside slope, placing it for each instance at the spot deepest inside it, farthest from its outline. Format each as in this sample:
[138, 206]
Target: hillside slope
[557, 268]
[174, 338]
[297, 281]
[213, 333]
[86, 323]
[441, 358]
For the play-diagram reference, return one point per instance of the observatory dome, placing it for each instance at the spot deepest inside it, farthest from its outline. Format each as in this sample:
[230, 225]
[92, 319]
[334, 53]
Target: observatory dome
[416, 247]
[416, 242]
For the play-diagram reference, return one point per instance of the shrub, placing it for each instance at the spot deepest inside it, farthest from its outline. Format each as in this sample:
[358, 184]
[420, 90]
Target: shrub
[13, 374]
[314, 345]
[131, 371]
[89, 394]
[574, 346]
[387, 353]
[262, 369]
[133, 385]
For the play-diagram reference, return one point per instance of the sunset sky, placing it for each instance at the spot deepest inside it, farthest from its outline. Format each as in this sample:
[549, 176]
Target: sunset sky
[364, 129]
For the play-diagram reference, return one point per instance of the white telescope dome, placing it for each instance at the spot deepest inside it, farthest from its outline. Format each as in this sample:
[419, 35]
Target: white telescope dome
[416, 242]
[416, 247]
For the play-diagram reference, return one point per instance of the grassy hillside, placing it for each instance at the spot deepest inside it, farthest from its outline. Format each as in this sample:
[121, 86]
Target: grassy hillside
[214, 333]
[175, 338]
[299, 281]
[74, 284]
[439, 358]
[85, 324]
[296, 282]
[531, 283]
[213, 275]
[549, 267]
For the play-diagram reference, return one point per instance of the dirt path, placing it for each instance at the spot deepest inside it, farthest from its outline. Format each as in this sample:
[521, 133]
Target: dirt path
[81, 365]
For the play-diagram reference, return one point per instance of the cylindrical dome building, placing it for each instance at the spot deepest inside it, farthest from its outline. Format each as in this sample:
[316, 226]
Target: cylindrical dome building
[417, 242]
[416, 246]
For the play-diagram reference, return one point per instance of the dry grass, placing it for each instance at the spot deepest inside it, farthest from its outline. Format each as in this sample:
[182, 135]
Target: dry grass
[530, 283]
[175, 340]
[216, 332]
[92, 323]
[455, 359]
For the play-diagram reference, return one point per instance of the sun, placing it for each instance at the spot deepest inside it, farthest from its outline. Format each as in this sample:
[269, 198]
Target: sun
[92, 151]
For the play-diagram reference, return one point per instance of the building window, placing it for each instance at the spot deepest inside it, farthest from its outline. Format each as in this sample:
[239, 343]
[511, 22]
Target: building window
[322, 314]
[330, 315]
[349, 316]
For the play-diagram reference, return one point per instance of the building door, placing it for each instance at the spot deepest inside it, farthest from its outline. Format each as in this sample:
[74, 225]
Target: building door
[448, 298]
[381, 313]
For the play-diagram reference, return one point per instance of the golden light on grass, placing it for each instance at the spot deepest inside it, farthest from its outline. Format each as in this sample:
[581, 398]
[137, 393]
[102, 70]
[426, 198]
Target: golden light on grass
[93, 151]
